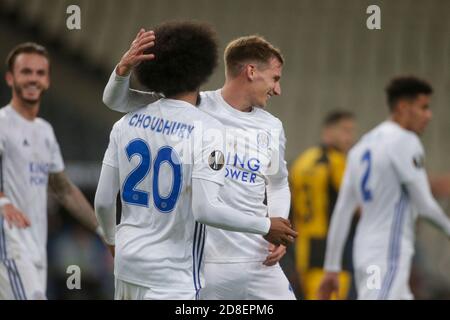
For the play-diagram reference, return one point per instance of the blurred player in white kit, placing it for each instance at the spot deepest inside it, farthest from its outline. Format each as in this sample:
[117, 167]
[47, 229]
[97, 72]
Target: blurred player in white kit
[237, 265]
[386, 178]
[169, 191]
[30, 161]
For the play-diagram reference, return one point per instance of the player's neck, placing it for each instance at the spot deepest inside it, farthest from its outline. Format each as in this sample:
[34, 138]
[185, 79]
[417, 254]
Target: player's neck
[233, 94]
[401, 121]
[189, 97]
[27, 110]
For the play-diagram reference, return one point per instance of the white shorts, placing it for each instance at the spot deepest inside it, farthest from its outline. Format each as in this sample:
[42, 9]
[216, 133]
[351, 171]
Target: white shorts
[20, 279]
[381, 282]
[129, 291]
[245, 281]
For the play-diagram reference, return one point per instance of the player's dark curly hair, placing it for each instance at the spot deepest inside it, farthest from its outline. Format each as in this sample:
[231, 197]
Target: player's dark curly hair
[406, 87]
[185, 56]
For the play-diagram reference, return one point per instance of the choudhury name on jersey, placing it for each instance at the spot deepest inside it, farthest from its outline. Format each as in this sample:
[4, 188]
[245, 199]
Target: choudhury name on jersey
[160, 125]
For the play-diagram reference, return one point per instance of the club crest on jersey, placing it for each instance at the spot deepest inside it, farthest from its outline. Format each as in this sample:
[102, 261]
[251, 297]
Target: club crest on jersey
[419, 161]
[263, 140]
[216, 160]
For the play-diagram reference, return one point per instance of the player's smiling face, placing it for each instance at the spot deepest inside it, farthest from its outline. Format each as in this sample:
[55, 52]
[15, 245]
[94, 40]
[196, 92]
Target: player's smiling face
[266, 82]
[30, 77]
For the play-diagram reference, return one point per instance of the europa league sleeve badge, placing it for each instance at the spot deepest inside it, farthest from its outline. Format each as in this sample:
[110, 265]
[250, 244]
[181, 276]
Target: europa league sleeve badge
[216, 160]
[419, 161]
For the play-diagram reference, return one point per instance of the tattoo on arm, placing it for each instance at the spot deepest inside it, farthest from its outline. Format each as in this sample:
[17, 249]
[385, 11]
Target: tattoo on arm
[72, 199]
[60, 184]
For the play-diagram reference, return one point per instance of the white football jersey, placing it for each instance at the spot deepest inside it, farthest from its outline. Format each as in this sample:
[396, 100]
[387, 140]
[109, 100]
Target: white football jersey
[158, 149]
[29, 153]
[255, 146]
[378, 168]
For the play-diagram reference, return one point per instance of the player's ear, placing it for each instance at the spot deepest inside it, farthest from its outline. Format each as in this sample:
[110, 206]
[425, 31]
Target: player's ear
[9, 78]
[402, 106]
[250, 71]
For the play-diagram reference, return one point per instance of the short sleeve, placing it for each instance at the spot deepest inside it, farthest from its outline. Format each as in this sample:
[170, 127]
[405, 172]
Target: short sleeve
[408, 158]
[209, 152]
[57, 163]
[111, 155]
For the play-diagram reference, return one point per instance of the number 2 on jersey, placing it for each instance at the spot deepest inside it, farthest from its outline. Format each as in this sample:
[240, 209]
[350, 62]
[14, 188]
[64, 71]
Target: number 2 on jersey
[366, 193]
[134, 196]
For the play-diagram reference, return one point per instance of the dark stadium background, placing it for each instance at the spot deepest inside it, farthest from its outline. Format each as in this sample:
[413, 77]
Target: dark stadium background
[332, 60]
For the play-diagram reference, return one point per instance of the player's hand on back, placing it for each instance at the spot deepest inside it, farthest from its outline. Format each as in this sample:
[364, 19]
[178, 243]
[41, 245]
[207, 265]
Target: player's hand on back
[280, 232]
[275, 254]
[328, 286]
[14, 217]
[135, 55]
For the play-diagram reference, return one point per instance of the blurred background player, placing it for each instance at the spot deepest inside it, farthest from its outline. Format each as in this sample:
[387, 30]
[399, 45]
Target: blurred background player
[385, 176]
[237, 265]
[315, 179]
[30, 161]
[159, 244]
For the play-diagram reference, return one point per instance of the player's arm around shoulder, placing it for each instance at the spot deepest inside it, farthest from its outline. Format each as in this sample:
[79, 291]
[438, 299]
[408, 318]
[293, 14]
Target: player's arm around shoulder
[117, 94]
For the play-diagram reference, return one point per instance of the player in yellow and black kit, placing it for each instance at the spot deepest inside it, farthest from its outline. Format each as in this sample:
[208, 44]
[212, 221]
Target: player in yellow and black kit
[315, 179]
